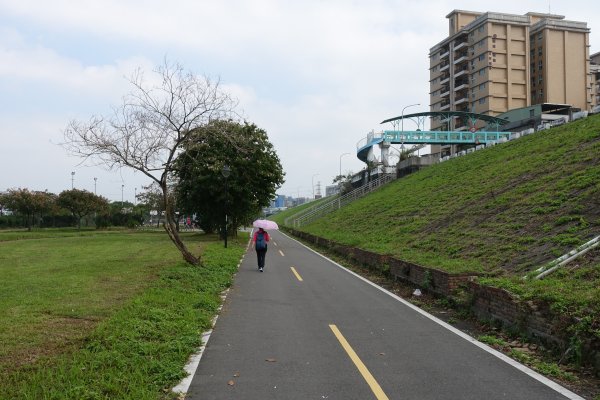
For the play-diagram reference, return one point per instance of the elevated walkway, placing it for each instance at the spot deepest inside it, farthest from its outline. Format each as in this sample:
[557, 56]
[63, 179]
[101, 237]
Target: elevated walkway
[446, 137]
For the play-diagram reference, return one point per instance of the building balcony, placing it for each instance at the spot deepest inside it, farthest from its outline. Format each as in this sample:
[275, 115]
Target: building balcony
[445, 106]
[460, 72]
[444, 67]
[444, 54]
[445, 79]
[464, 43]
[461, 86]
[461, 59]
[461, 100]
[445, 94]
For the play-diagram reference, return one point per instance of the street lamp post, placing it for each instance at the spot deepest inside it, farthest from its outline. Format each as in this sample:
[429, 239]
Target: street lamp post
[312, 181]
[72, 180]
[342, 155]
[122, 187]
[95, 179]
[134, 196]
[226, 171]
[402, 119]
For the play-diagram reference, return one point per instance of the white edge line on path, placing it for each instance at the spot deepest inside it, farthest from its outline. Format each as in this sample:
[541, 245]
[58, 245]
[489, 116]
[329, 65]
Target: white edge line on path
[194, 360]
[550, 383]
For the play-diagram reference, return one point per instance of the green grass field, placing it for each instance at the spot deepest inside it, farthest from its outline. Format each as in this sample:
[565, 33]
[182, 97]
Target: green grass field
[97, 315]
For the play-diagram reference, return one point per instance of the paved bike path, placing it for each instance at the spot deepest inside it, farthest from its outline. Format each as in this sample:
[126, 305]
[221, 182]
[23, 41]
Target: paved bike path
[316, 331]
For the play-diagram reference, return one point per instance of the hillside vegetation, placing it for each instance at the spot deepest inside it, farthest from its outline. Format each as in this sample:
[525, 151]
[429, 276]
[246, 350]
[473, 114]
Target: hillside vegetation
[499, 212]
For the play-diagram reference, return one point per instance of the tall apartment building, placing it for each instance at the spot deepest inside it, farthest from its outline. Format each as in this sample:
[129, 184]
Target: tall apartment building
[595, 78]
[493, 62]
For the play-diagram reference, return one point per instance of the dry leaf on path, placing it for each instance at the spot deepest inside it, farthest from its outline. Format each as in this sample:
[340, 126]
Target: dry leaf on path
[271, 360]
[231, 383]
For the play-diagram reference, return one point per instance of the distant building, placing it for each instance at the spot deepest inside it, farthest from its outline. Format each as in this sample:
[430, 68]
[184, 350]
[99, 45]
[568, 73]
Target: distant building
[595, 79]
[494, 62]
[279, 201]
[332, 189]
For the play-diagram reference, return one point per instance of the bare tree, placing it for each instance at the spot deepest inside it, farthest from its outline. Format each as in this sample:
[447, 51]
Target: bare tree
[147, 130]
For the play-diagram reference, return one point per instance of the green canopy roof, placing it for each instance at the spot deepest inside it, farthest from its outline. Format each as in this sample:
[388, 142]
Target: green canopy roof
[448, 114]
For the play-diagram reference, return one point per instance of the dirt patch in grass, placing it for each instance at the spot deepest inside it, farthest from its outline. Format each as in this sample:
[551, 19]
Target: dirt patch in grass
[61, 335]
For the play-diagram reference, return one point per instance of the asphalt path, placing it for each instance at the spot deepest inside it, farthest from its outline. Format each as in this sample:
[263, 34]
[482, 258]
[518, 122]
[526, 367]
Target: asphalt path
[306, 328]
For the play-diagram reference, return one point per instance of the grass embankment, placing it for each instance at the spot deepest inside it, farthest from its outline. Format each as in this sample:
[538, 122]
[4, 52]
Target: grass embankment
[297, 210]
[106, 315]
[501, 211]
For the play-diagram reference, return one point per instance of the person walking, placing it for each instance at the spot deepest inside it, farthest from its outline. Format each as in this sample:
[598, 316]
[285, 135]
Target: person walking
[260, 240]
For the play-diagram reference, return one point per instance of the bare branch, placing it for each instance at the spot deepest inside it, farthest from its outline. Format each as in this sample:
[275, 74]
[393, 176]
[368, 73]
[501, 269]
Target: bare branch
[147, 130]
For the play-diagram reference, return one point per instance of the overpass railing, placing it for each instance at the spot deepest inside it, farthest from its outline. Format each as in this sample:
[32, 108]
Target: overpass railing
[307, 216]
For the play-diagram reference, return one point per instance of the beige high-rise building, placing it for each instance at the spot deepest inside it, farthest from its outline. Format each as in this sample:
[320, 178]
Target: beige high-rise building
[595, 78]
[494, 62]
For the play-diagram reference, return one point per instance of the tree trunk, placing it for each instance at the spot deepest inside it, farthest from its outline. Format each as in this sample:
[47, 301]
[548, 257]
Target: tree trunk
[171, 229]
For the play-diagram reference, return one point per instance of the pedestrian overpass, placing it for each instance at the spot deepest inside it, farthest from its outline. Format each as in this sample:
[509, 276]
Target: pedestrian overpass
[419, 136]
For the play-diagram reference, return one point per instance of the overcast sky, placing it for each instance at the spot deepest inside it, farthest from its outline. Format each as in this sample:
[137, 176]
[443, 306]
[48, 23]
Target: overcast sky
[316, 75]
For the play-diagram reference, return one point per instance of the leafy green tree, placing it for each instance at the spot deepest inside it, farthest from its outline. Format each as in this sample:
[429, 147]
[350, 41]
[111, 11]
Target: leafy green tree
[344, 182]
[152, 199]
[82, 203]
[256, 173]
[28, 203]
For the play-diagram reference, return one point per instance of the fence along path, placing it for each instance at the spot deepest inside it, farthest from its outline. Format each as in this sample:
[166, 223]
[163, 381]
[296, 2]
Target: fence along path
[310, 214]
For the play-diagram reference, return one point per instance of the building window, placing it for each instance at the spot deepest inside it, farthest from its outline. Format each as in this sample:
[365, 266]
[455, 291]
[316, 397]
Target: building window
[480, 29]
[481, 71]
[482, 100]
[540, 36]
[540, 51]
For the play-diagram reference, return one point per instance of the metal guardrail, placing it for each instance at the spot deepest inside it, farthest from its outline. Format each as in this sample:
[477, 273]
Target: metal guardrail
[322, 209]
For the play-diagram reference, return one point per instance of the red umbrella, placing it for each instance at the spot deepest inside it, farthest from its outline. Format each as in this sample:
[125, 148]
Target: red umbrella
[265, 224]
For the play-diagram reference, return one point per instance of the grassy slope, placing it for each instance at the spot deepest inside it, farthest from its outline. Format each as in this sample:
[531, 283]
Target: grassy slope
[104, 316]
[281, 216]
[502, 211]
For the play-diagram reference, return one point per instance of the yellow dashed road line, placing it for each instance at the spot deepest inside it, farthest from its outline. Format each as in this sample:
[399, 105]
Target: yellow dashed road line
[377, 391]
[296, 273]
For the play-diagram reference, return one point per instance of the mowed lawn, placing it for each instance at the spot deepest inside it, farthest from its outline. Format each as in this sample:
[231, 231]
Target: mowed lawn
[60, 289]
